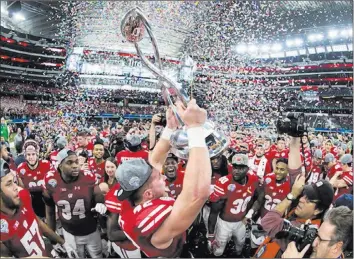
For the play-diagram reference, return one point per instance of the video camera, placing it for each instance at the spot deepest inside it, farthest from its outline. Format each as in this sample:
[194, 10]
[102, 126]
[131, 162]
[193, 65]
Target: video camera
[302, 237]
[293, 124]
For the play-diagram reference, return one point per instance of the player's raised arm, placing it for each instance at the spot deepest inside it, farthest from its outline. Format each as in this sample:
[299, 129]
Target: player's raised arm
[196, 182]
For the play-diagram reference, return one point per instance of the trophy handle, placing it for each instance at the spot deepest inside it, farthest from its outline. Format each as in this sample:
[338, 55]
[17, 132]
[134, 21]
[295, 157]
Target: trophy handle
[156, 70]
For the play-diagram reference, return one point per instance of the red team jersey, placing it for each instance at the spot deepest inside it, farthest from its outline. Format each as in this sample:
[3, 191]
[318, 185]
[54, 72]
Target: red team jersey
[175, 187]
[275, 154]
[274, 192]
[237, 196]
[97, 169]
[74, 201]
[347, 176]
[20, 232]
[33, 180]
[128, 155]
[141, 222]
[114, 206]
[334, 169]
[53, 158]
[316, 174]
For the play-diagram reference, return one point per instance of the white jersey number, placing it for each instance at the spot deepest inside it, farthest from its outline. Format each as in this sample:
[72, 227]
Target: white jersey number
[270, 203]
[78, 210]
[240, 205]
[30, 245]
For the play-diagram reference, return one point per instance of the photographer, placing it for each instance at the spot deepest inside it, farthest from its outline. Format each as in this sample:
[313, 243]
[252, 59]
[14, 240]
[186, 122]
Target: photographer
[333, 237]
[313, 201]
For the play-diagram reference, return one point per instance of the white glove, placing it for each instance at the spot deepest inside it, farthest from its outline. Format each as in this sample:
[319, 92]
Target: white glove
[249, 214]
[70, 250]
[100, 208]
[59, 248]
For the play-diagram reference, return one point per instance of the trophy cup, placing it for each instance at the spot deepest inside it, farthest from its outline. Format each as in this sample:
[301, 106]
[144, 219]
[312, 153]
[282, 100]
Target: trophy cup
[133, 28]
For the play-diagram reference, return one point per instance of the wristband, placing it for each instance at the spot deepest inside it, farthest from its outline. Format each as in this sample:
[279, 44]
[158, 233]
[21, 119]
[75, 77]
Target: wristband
[166, 134]
[211, 236]
[196, 137]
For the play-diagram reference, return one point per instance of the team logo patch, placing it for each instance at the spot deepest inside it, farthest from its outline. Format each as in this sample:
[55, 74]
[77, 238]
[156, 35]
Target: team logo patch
[268, 180]
[22, 171]
[231, 187]
[318, 184]
[4, 226]
[53, 183]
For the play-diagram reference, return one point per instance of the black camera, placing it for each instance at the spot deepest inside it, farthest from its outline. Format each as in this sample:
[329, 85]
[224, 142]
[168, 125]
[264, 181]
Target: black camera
[302, 237]
[162, 121]
[293, 124]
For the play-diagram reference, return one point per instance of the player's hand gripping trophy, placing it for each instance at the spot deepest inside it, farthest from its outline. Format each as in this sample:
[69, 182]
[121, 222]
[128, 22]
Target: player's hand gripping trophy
[133, 27]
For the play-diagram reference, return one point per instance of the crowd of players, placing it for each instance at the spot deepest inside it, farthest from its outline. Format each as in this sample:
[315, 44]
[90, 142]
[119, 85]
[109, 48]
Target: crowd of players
[115, 190]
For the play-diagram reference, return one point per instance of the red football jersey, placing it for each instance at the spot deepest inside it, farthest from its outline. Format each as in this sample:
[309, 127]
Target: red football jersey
[114, 206]
[33, 180]
[74, 201]
[175, 187]
[274, 154]
[237, 196]
[141, 222]
[347, 176]
[97, 169]
[53, 158]
[88, 148]
[20, 232]
[128, 155]
[316, 174]
[274, 192]
[334, 169]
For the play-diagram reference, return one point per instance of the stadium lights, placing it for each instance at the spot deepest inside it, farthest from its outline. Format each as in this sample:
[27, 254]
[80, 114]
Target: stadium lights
[315, 37]
[252, 49]
[241, 48]
[296, 42]
[19, 17]
[265, 48]
[277, 47]
[332, 34]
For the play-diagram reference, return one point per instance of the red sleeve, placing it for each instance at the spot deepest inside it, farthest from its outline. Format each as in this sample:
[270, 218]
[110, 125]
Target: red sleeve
[49, 181]
[118, 158]
[348, 177]
[152, 216]
[111, 201]
[219, 189]
[272, 223]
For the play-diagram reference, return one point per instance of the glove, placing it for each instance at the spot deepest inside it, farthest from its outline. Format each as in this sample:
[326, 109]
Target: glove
[211, 242]
[59, 248]
[70, 250]
[100, 208]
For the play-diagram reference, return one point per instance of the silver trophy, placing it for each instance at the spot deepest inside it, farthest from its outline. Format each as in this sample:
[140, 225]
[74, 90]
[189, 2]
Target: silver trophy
[133, 28]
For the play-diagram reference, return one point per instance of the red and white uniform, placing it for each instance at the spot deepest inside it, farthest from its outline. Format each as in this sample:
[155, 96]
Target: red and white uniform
[260, 166]
[347, 176]
[20, 232]
[97, 169]
[128, 155]
[141, 222]
[33, 180]
[316, 174]
[229, 222]
[274, 192]
[334, 169]
[308, 158]
[124, 248]
[53, 158]
[175, 187]
[275, 154]
[74, 202]
[237, 196]
[88, 148]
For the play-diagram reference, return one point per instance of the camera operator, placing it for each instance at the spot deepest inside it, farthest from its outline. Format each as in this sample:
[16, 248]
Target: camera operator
[333, 237]
[313, 201]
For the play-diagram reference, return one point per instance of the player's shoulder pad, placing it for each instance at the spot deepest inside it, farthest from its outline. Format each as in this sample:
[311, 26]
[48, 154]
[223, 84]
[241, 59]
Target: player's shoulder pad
[89, 177]
[50, 180]
[151, 214]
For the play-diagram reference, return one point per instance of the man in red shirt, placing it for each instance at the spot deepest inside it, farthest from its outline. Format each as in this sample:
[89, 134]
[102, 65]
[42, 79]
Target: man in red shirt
[259, 163]
[96, 163]
[279, 152]
[133, 150]
[76, 195]
[231, 195]
[21, 230]
[32, 173]
[342, 181]
[315, 172]
[84, 143]
[154, 222]
[174, 176]
[331, 166]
